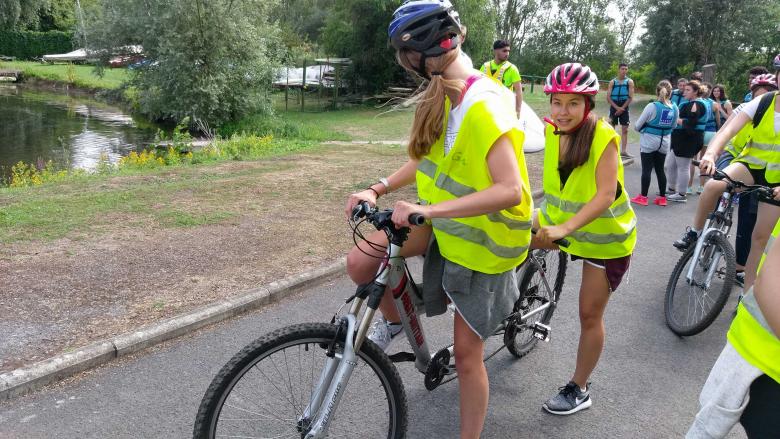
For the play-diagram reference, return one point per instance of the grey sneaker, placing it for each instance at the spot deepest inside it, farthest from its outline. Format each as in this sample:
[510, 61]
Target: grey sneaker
[570, 399]
[678, 198]
[383, 332]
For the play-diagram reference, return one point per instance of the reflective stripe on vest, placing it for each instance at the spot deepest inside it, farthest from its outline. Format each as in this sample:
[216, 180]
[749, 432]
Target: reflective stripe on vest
[491, 243]
[613, 233]
[619, 96]
[499, 75]
[750, 333]
[661, 124]
[763, 149]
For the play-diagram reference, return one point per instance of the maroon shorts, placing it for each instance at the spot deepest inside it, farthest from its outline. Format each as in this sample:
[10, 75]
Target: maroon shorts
[614, 268]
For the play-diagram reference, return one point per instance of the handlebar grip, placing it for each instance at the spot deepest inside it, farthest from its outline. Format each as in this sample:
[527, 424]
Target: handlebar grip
[563, 242]
[695, 162]
[360, 210]
[416, 219]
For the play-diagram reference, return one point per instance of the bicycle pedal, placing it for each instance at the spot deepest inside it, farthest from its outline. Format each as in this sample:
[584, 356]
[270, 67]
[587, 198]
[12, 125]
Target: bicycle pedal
[542, 331]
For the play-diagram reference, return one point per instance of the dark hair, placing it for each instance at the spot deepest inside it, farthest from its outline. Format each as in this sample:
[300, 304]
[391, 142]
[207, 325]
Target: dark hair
[758, 70]
[622, 65]
[580, 141]
[500, 44]
[695, 85]
[722, 89]
[697, 76]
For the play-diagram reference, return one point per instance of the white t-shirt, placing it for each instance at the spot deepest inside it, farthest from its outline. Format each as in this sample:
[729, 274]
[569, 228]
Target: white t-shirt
[751, 107]
[480, 90]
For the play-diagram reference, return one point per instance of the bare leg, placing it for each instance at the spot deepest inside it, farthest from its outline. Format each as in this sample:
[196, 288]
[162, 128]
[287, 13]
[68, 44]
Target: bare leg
[624, 139]
[472, 379]
[363, 262]
[713, 190]
[766, 219]
[594, 295]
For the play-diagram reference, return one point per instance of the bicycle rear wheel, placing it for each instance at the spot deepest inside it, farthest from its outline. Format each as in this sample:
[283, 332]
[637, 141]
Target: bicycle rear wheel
[264, 389]
[519, 336]
[690, 307]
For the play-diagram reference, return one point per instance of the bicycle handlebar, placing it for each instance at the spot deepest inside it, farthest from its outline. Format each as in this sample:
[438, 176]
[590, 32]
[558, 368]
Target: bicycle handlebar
[363, 209]
[720, 175]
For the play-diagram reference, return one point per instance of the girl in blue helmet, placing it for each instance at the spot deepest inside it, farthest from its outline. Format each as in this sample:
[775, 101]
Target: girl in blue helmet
[466, 158]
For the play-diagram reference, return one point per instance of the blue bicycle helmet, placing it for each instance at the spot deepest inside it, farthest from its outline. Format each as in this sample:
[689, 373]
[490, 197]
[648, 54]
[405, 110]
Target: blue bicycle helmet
[430, 27]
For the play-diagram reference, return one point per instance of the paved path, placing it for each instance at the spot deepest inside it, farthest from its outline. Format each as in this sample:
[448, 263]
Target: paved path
[645, 387]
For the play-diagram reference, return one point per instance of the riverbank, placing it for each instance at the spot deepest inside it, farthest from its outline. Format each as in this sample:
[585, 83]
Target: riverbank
[71, 76]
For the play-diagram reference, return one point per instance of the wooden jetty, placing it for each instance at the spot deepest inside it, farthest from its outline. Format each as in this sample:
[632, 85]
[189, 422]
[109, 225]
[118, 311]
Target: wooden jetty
[10, 75]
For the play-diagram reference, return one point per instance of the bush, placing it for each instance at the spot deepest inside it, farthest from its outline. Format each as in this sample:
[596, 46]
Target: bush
[29, 45]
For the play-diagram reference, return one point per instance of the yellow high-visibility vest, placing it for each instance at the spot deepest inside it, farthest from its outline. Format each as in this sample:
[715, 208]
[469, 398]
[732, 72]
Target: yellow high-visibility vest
[750, 333]
[491, 243]
[763, 149]
[613, 233]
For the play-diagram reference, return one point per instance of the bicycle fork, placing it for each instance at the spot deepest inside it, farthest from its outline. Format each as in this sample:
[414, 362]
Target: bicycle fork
[339, 366]
[713, 265]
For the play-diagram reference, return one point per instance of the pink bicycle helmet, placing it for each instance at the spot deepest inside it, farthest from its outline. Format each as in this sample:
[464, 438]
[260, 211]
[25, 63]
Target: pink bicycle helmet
[573, 78]
[765, 80]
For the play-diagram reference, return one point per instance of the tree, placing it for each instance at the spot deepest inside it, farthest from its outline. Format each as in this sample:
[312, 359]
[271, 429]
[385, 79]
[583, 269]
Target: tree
[686, 32]
[517, 19]
[210, 60]
[20, 14]
[630, 13]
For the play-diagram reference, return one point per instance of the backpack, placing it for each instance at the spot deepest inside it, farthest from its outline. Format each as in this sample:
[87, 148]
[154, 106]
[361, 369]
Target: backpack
[766, 101]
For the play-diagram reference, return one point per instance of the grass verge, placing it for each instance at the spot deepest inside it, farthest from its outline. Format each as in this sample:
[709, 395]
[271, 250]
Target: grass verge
[81, 76]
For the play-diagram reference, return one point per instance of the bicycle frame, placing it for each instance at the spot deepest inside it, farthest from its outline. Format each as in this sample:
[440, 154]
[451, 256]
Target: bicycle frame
[723, 213]
[394, 272]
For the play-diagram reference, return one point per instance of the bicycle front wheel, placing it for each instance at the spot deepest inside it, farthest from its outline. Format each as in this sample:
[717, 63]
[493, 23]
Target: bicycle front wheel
[692, 305]
[263, 391]
[519, 336]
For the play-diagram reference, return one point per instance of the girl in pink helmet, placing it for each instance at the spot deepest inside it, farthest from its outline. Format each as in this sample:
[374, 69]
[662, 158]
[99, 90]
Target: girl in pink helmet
[586, 202]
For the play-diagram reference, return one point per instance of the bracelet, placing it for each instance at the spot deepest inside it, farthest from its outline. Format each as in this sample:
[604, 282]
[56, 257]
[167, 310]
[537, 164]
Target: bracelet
[372, 189]
[386, 183]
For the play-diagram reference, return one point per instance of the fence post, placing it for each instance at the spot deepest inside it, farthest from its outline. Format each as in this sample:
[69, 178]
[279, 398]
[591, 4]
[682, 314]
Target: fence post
[303, 85]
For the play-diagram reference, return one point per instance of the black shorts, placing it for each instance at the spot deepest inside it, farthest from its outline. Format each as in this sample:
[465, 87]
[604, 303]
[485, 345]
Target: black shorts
[623, 118]
[759, 177]
[760, 418]
[613, 268]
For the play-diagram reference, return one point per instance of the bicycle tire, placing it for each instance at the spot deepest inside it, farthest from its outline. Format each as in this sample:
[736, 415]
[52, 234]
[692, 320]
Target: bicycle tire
[697, 324]
[316, 337]
[519, 338]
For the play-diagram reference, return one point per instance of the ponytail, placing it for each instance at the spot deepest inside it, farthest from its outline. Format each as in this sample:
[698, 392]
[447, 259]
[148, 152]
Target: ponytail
[428, 123]
[663, 90]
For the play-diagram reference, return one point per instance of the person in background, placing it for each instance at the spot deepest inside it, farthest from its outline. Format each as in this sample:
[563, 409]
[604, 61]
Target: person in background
[687, 141]
[503, 71]
[710, 128]
[752, 73]
[677, 95]
[718, 95]
[620, 93]
[656, 124]
[697, 76]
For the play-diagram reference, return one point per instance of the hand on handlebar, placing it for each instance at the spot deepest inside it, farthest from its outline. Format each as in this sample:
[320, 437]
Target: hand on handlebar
[403, 210]
[549, 234]
[707, 164]
[365, 195]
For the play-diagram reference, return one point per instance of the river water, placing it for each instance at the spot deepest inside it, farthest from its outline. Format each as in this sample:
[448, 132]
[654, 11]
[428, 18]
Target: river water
[71, 130]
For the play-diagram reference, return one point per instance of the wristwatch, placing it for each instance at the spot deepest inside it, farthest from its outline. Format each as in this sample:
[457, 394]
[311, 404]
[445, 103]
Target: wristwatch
[385, 182]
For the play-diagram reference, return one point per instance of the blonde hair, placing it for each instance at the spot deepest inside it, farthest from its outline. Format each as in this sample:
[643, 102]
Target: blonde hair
[663, 90]
[428, 122]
